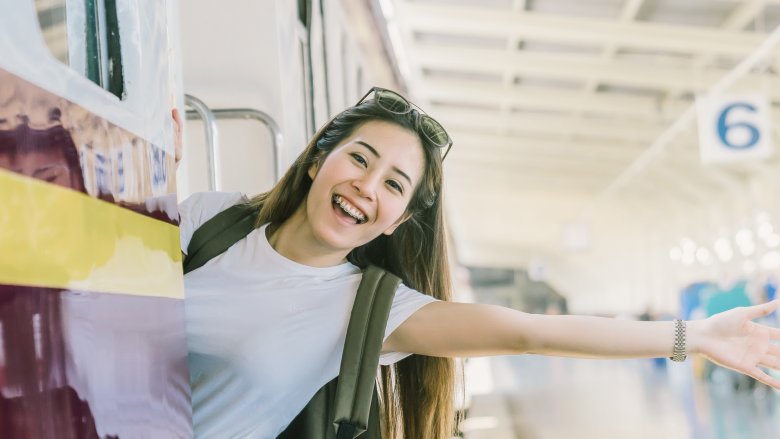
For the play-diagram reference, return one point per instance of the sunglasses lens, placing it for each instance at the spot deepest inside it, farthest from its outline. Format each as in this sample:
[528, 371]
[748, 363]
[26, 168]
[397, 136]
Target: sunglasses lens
[392, 102]
[434, 131]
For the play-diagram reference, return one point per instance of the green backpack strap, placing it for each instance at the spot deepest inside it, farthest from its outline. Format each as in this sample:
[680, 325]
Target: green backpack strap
[365, 333]
[352, 396]
[216, 235]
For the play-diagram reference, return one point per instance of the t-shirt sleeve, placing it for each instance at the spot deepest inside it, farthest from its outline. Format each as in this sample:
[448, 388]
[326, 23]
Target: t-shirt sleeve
[201, 207]
[406, 302]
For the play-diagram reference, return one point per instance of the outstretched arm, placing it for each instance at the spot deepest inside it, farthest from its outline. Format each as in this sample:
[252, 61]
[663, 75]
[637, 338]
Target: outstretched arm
[447, 329]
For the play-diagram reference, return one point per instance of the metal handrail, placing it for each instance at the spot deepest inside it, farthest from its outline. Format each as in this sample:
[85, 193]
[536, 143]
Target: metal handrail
[201, 111]
[267, 120]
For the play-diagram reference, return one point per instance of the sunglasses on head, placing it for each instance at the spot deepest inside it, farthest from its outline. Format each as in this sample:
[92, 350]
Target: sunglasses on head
[395, 103]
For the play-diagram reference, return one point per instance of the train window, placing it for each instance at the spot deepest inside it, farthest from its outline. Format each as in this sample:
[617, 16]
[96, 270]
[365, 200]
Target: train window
[104, 54]
[85, 36]
[51, 16]
[304, 7]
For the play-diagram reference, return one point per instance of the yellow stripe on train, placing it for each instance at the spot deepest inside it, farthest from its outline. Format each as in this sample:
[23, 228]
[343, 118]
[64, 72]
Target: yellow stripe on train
[58, 238]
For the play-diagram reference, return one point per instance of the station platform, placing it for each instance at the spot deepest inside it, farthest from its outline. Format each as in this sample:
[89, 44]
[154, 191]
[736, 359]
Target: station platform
[533, 397]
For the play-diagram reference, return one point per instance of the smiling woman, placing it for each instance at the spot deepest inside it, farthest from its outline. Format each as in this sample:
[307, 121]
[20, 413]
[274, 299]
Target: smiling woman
[267, 318]
[303, 263]
[373, 186]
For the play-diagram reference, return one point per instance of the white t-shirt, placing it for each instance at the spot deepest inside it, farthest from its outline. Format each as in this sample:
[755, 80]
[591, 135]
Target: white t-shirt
[264, 333]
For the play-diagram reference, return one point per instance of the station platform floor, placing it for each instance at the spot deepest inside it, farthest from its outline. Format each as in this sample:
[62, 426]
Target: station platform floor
[533, 397]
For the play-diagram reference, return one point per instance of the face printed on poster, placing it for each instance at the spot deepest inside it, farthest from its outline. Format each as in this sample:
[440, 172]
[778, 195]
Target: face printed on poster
[51, 139]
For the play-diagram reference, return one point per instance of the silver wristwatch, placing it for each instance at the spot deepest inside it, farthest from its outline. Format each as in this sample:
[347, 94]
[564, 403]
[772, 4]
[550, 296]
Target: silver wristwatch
[679, 353]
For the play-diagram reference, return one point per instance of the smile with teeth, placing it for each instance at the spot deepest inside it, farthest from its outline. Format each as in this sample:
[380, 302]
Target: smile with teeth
[351, 210]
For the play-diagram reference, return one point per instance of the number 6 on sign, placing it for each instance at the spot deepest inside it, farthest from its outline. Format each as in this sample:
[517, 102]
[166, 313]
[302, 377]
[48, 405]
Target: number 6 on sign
[734, 128]
[733, 134]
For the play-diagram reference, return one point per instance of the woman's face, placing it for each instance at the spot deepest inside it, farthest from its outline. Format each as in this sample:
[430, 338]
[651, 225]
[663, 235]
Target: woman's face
[363, 187]
[46, 164]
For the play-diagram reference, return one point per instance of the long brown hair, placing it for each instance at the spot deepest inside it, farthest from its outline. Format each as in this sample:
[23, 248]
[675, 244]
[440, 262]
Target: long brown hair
[417, 393]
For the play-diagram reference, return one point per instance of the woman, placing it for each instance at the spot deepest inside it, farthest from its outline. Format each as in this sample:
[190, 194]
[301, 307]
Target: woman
[266, 319]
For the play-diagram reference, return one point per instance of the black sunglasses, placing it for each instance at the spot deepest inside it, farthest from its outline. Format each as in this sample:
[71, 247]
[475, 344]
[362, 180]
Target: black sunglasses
[395, 103]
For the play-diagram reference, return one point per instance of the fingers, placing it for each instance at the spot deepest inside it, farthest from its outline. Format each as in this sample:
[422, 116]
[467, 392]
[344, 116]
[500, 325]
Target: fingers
[773, 349]
[762, 310]
[764, 378]
[176, 117]
[177, 126]
[771, 361]
[774, 333]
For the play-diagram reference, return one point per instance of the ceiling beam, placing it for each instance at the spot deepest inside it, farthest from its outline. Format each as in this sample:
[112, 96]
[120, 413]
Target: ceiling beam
[513, 42]
[500, 179]
[548, 162]
[591, 32]
[556, 169]
[743, 14]
[627, 14]
[736, 21]
[579, 69]
[466, 143]
[555, 126]
[539, 98]
[683, 123]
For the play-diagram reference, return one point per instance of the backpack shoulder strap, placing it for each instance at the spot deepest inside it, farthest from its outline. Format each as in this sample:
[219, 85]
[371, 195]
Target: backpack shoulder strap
[362, 346]
[216, 235]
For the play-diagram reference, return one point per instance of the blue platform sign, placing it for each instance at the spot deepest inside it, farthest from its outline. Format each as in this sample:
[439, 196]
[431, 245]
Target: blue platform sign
[734, 128]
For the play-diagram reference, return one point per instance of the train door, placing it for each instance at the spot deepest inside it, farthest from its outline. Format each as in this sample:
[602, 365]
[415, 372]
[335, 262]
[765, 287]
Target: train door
[92, 340]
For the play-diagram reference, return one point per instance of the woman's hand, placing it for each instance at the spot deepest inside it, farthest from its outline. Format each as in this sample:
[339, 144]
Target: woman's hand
[177, 134]
[731, 339]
